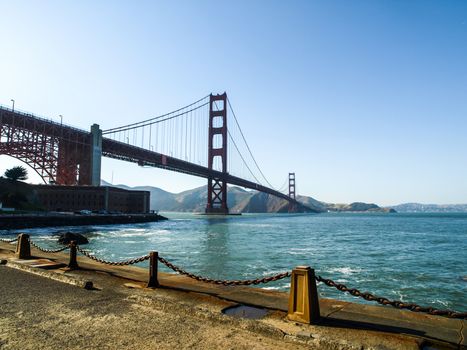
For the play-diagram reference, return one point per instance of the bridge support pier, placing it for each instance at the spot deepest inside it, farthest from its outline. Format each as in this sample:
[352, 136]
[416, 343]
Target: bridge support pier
[217, 154]
[96, 155]
[79, 160]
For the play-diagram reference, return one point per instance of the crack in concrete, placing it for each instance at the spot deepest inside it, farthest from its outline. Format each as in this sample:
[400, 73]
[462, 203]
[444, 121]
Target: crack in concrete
[461, 335]
[333, 312]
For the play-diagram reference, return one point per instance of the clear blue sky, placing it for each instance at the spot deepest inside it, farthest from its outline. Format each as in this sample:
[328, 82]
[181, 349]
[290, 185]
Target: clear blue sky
[364, 100]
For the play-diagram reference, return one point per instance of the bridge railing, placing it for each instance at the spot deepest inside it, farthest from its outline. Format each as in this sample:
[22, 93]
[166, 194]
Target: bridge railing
[41, 118]
[303, 299]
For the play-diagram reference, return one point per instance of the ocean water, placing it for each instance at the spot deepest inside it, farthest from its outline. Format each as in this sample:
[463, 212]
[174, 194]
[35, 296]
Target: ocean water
[419, 258]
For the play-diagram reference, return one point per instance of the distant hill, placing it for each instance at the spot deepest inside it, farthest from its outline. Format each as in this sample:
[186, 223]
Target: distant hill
[242, 201]
[430, 208]
[359, 206]
[238, 200]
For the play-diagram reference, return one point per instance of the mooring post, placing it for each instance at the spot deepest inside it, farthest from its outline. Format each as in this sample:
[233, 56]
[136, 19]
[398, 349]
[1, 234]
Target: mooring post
[73, 263]
[23, 247]
[303, 299]
[153, 259]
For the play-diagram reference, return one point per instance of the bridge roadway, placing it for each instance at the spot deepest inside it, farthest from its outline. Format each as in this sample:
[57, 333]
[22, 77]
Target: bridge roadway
[113, 149]
[119, 150]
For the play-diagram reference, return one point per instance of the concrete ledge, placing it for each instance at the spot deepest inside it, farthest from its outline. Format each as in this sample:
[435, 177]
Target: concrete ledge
[336, 314]
[52, 275]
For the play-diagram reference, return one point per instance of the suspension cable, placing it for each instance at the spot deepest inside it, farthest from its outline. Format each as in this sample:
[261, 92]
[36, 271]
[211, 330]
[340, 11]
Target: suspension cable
[126, 127]
[284, 186]
[235, 144]
[153, 121]
[248, 147]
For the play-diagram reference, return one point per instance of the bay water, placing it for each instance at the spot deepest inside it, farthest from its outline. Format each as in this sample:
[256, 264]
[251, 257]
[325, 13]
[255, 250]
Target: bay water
[420, 258]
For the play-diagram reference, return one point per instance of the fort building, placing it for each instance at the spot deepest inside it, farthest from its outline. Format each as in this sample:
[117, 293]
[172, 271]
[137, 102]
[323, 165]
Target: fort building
[93, 198]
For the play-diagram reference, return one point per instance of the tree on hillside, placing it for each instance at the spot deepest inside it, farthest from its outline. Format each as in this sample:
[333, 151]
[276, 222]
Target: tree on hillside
[16, 173]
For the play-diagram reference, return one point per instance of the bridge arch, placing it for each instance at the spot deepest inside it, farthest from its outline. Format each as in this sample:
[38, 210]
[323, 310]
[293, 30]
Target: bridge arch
[45, 174]
[58, 154]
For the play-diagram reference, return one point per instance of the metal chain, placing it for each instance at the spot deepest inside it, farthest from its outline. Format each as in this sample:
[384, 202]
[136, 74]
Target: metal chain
[8, 240]
[225, 282]
[115, 263]
[343, 288]
[395, 303]
[48, 250]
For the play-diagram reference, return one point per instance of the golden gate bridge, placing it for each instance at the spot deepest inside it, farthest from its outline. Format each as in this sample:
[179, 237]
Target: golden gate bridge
[197, 139]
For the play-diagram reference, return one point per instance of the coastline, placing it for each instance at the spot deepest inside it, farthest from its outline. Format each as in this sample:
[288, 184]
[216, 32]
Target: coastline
[345, 325]
[23, 221]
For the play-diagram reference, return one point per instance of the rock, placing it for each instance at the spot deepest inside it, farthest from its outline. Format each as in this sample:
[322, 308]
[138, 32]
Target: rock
[67, 237]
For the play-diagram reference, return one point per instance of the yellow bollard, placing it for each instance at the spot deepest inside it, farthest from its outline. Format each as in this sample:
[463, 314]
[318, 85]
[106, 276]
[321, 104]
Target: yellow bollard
[303, 299]
[23, 248]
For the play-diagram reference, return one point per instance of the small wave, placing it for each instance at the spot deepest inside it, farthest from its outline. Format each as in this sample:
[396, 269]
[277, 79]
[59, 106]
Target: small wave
[249, 225]
[363, 280]
[135, 252]
[442, 302]
[160, 239]
[272, 272]
[345, 270]
[341, 280]
[300, 251]
[401, 296]
[141, 233]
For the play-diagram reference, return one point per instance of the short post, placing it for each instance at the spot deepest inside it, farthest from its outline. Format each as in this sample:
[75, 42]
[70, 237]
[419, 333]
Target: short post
[153, 259]
[23, 247]
[303, 299]
[73, 263]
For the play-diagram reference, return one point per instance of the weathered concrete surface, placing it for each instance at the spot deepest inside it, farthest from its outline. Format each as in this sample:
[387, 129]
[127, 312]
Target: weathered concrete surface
[345, 325]
[37, 266]
[38, 313]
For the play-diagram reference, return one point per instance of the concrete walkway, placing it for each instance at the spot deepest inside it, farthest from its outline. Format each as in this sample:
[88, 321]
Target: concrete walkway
[351, 323]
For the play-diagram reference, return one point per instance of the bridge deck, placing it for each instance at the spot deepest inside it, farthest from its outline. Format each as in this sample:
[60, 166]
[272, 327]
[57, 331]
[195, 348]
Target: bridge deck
[119, 150]
[15, 120]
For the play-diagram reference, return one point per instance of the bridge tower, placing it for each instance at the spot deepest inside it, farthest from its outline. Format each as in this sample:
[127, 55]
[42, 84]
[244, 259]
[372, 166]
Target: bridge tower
[217, 154]
[292, 185]
[292, 206]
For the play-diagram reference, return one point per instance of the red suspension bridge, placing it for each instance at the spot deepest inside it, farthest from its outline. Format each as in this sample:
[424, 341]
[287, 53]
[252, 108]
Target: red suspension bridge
[197, 139]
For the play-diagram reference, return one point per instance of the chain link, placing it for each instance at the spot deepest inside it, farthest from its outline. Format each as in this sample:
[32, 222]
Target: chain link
[114, 263]
[48, 250]
[394, 303]
[341, 287]
[8, 240]
[224, 282]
